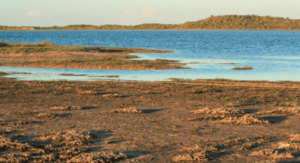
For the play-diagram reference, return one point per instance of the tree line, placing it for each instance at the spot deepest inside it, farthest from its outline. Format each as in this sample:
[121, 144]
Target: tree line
[227, 22]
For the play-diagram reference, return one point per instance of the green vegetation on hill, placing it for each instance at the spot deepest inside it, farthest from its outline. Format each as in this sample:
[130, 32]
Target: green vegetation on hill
[236, 22]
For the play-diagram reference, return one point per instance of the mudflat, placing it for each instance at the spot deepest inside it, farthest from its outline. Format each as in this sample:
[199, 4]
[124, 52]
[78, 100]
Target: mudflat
[176, 121]
[49, 55]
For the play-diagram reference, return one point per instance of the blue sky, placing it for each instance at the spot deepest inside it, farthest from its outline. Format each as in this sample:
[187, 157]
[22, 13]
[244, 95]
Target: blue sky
[132, 12]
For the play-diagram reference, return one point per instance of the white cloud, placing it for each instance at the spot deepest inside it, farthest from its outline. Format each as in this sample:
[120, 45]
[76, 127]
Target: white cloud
[34, 13]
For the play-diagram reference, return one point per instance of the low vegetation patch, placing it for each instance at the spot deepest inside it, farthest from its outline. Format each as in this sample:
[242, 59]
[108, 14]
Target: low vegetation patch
[69, 138]
[244, 120]
[195, 154]
[6, 48]
[242, 68]
[66, 108]
[218, 111]
[131, 110]
[3, 73]
[99, 63]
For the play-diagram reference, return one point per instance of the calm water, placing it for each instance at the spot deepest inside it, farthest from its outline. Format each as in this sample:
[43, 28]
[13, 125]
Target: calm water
[274, 55]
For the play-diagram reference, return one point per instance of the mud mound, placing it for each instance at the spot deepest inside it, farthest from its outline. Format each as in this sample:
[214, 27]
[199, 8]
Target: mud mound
[272, 154]
[99, 157]
[281, 110]
[197, 154]
[294, 137]
[111, 95]
[288, 146]
[218, 111]
[28, 157]
[44, 115]
[63, 155]
[66, 108]
[69, 138]
[19, 157]
[131, 110]
[9, 144]
[11, 123]
[244, 120]
[208, 118]
[66, 150]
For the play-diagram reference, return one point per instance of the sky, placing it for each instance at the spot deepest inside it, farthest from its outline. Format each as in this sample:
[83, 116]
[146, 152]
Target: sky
[133, 12]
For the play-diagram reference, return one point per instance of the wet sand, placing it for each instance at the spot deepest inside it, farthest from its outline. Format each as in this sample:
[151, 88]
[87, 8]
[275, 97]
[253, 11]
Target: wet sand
[178, 121]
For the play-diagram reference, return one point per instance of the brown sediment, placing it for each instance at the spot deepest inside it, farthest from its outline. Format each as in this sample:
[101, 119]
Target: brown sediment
[160, 134]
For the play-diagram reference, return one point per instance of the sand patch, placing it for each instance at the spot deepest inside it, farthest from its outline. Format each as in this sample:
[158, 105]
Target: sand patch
[45, 115]
[69, 138]
[111, 95]
[88, 92]
[100, 157]
[66, 108]
[244, 120]
[218, 111]
[131, 110]
[272, 154]
[147, 92]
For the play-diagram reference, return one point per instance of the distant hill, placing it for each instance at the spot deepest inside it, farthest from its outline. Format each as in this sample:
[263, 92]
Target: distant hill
[227, 22]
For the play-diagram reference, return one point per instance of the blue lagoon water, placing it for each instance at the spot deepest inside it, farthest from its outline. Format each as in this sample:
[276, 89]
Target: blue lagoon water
[274, 55]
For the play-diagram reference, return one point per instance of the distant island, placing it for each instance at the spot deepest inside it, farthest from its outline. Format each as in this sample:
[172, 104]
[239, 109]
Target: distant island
[227, 22]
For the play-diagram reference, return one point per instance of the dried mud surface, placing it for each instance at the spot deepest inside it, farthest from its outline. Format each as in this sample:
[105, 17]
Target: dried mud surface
[60, 121]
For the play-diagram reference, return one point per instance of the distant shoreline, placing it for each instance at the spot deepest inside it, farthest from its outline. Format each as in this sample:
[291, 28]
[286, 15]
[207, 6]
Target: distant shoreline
[227, 22]
[157, 30]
